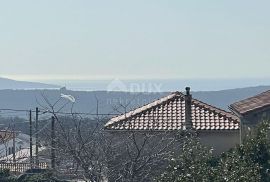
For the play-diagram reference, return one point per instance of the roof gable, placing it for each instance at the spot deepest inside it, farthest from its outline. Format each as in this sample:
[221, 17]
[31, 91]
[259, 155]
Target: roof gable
[168, 113]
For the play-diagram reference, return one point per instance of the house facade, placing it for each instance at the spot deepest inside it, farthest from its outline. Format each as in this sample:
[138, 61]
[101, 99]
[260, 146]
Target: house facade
[215, 127]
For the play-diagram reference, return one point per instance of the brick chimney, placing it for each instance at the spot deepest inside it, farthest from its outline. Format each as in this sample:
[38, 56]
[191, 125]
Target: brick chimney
[188, 98]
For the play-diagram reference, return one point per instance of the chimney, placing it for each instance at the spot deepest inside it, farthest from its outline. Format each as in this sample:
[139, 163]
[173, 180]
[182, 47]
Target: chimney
[188, 98]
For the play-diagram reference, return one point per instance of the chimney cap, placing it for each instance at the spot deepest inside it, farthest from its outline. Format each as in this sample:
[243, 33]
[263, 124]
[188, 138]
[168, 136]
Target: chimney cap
[187, 90]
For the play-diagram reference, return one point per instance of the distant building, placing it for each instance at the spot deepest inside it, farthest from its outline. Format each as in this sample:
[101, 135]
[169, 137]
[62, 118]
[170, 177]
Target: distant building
[251, 111]
[12, 142]
[216, 128]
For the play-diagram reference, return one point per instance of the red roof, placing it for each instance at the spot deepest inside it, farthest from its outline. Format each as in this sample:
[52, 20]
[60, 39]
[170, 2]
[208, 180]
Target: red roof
[168, 113]
[253, 103]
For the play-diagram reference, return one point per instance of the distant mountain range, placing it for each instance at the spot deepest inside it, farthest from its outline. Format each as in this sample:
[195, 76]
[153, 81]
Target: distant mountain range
[110, 102]
[13, 84]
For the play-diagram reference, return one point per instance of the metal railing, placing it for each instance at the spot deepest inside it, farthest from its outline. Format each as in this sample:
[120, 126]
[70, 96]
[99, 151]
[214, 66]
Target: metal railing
[22, 167]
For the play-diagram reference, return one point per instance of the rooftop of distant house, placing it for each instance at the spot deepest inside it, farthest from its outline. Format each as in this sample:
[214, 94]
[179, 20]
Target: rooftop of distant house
[251, 104]
[169, 113]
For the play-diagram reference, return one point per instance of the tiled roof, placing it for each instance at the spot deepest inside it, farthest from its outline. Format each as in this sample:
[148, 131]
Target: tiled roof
[168, 113]
[252, 103]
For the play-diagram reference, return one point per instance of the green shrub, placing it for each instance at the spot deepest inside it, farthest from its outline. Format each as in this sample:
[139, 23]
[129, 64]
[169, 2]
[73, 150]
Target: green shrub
[247, 162]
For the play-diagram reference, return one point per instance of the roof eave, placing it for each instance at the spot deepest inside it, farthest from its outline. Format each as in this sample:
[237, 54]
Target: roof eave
[235, 111]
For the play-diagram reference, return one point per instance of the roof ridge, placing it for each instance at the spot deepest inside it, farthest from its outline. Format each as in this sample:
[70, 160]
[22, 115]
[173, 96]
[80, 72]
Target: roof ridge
[140, 109]
[251, 97]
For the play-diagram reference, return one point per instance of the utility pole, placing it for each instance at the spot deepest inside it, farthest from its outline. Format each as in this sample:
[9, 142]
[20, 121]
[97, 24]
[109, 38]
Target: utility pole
[36, 135]
[97, 108]
[14, 147]
[31, 139]
[53, 143]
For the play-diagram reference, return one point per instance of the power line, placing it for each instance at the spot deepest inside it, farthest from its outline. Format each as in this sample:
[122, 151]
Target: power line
[83, 113]
[68, 113]
[15, 110]
[46, 111]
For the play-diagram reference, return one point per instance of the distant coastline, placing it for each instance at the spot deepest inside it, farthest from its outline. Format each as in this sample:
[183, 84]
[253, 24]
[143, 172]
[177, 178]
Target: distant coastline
[136, 85]
[165, 85]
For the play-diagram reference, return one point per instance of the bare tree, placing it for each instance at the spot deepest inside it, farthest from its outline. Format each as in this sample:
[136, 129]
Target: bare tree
[91, 152]
[141, 155]
[81, 145]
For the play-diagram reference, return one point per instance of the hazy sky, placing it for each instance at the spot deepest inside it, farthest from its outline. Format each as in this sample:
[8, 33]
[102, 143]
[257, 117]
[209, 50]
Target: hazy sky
[84, 39]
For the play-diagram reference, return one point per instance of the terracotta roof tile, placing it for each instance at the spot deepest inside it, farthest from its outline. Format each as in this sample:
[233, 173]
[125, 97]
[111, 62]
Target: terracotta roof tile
[168, 113]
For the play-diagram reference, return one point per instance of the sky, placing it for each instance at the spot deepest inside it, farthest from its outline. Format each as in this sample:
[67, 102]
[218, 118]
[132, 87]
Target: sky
[139, 39]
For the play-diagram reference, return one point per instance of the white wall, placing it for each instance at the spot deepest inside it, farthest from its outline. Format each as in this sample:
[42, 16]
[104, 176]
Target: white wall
[220, 141]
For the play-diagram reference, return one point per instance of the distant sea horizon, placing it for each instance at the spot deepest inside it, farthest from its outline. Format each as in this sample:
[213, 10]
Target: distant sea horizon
[158, 85]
